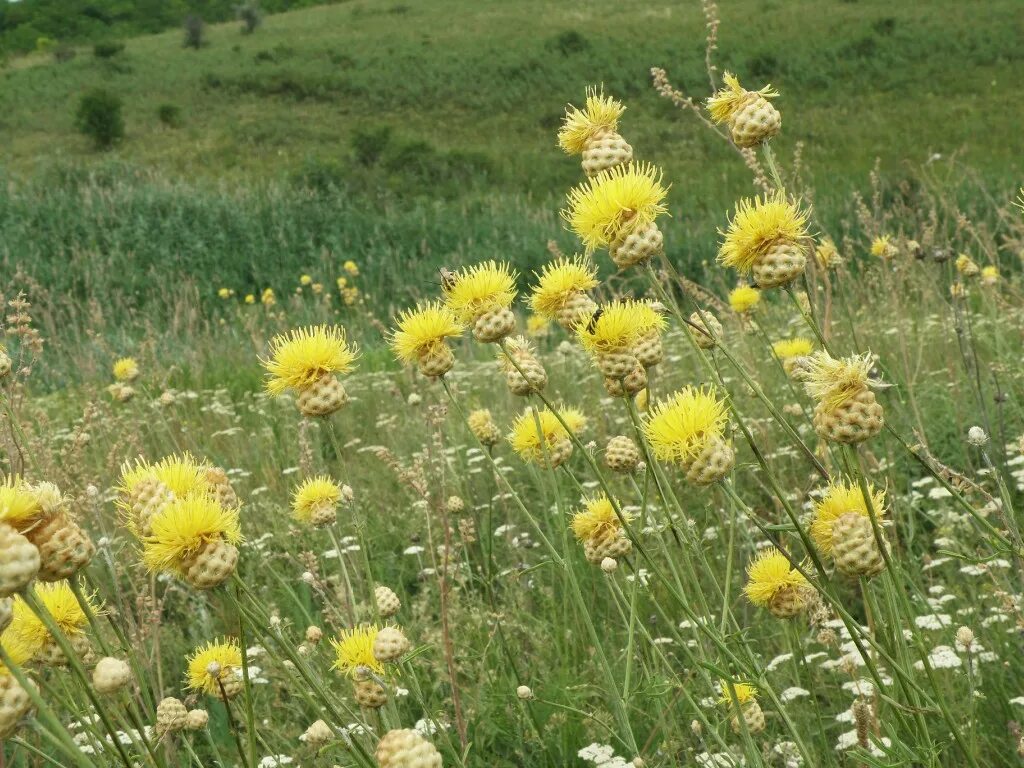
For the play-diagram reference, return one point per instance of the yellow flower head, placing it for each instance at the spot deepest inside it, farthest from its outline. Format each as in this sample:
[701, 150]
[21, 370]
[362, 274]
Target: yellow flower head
[184, 526]
[743, 298]
[618, 326]
[758, 225]
[515, 348]
[212, 665]
[602, 113]
[126, 369]
[768, 574]
[19, 503]
[966, 266]
[350, 267]
[724, 104]
[422, 330]
[183, 474]
[537, 325]
[990, 275]
[225, 293]
[883, 247]
[16, 649]
[313, 494]
[785, 349]
[559, 281]
[827, 254]
[597, 520]
[745, 692]
[833, 382]
[481, 424]
[615, 203]
[531, 444]
[58, 598]
[267, 297]
[305, 280]
[481, 288]
[300, 358]
[354, 650]
[678, 428]
[841, 498]
[250, 299]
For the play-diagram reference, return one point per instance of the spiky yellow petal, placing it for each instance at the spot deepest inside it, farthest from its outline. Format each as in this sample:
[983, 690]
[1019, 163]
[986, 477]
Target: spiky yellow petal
[678, 428]
[744, 692]
[833, 382]
[481, 288]
[618, 326]
[597, 520]
[727, 100]
[28, 630]
[314, 493]
[615, 203]
[422, 329]
[768, 574]
[183, 473]
[126, 369]
[841, 498]
[213, 665]
[559, 281]
[744, 298]
[601, 113]
[757, 225]
[354, 650]
[785, 349]
[184, 526]
[532, 444]
[19, 504]
[300, 358]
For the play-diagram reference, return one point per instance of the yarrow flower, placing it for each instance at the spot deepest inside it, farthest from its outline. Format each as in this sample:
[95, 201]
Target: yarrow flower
[300, 358]
[215, 668]
[560, 285]
[744, 298]
[422, 338]
[536, 434]
[764, 237]
[126, 369]
[315, 500]
[774, 584]
[354, 651]
[840, 499]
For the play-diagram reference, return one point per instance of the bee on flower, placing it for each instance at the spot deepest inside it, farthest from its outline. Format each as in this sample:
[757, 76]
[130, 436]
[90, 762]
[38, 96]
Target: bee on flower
[561, 291]
[481, 297]
[539, 437]
[600, 530]
[617, 209]
[126, 369]
[216, 669]
[688, 429]
[422, 338]
[751, 117]
[743, 299]
[843, 529]
[613, 335]
[766, 237]
[741, 699]
[774, 584]
[793, 354]
[308, 361]
[846, 409]
[592, 132]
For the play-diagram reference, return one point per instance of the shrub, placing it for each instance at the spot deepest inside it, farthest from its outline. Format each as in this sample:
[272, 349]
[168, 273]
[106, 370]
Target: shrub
[369, 143]
[63, 53]
[250, 15]
[569, 42]
[108, 49]
[99, 117]
[169, 114]
[194, 31]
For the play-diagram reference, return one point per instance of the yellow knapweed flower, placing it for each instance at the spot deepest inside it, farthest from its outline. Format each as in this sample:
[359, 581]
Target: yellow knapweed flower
[300, 358]
[785, 349]
[769, 574]
[537, 325]
[677, 429]
[531, 444]
[314, 493]
[827, 254]
[990, 275]
[833, 382]
[744, 298]
[966, 266]
[350, 267]
[19, 503]
[183, 527]
[481, 288]
[618, 326]
[59, 600]
[17, 651]
[602, 113]
[126, 369]
[214, 665]
[353, 651]
[758, 225]
[422, 330]
[727, 101]
[225, 293]
[250, 299]
[745, 692]
[267, 298]
[883, 247]
[841, 498]
[559, 281]
[183, 474]
[597, 520]
[305, 280]
[615, 203]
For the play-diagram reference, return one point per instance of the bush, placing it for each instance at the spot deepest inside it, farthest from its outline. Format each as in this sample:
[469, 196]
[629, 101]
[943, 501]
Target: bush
[63, 53]
[99, 117]
[250, 15]
[369, 143]
[194, 31]
[569, 42]
[107, 50]
[169, 114]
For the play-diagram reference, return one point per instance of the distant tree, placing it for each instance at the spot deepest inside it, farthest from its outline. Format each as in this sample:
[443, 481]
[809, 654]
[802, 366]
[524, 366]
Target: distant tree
[99, 117]
[194, 31]
[250, 15]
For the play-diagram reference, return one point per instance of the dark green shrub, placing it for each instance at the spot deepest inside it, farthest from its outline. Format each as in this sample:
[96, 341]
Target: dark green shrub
[250, 15]
[108, 49]
[195, 31]
[170, 115]
[99, 117]
[569, 42]
[369, 143]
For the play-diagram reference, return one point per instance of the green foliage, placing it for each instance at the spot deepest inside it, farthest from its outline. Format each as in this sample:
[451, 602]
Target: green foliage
[107, 49]
[169, 115]
[369, 144]
[194, 28]
[99, 117]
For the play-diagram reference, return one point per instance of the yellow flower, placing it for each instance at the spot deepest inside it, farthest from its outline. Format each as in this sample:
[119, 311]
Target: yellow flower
[267, 297]
[743, 298]
[602, 113]
[833, 382]
[990, 275]
[965, 265]
[212, 666]
[183, 473]
[679, 428]
[225, 293]
[16, 649]
[537, 325]
[250, 299]
[841, 498]
[789, 348]
[313, 494]
[318, 288]
[615, 203]
[827, 254]
[745, 692]
[350, 296]
[354, 651]
[350, 267]
[724, 104]
[768, 574]
[305, 280]
[126, 369]
[183, 527]
[758, 225]
[559, 281]
[531, 445]
[478, 289]
[597, 520]
[59, 600]
[19, 504]
[342, 282]
[422, 330]
[883, 247]
[302, 357]
[618, 326]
